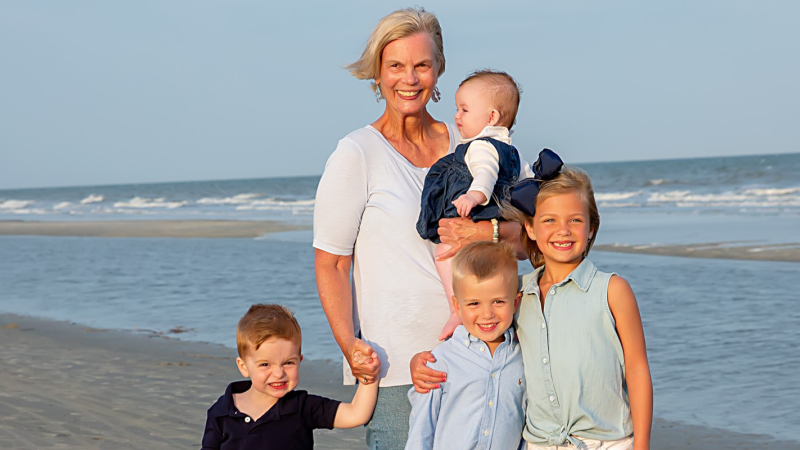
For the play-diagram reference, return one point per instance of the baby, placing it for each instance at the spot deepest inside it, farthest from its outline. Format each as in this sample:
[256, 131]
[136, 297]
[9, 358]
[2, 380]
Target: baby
[474, 179]
[267, 411]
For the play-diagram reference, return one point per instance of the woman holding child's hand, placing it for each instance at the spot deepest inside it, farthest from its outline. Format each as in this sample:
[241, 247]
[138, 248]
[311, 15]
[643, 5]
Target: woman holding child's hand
[366, 208]
[365, 215]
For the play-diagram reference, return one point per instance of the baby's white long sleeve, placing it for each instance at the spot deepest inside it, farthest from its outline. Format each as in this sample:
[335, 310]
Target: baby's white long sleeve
[484, 165]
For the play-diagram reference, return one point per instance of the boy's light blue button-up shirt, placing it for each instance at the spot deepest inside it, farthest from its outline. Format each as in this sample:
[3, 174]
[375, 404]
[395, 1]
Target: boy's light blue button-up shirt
[481, 406]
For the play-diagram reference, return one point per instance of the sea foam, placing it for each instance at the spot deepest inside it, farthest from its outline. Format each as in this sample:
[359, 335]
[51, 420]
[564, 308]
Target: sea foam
[141, 202]
[92, 198]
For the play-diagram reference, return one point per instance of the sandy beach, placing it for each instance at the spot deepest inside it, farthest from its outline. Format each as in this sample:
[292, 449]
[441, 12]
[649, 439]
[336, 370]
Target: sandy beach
[148, 228]
[789, 252]
[69, 386]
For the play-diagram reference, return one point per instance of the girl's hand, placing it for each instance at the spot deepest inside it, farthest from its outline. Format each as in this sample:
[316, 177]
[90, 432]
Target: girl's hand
[363, 361]
[459, 232]
[423, 377]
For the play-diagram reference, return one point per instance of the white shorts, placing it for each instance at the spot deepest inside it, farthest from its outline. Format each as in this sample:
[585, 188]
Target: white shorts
[591, 444]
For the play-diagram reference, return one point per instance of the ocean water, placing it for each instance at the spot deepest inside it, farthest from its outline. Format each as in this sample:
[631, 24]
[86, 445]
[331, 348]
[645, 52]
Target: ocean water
[722, 335]
[768, 184]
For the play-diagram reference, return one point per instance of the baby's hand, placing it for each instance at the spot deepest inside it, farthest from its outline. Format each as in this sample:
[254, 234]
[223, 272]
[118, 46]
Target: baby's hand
[464, 204]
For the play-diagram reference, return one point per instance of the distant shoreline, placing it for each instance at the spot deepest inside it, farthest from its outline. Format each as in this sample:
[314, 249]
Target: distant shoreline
[786, 252]
[149, 228]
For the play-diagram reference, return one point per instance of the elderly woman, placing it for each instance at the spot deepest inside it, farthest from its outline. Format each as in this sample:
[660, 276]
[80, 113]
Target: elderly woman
[367, 205]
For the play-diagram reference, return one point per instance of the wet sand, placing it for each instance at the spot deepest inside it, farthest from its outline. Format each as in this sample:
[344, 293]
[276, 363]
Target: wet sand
[148, 228]
[249, 229]
[789, 252]
[68, 386]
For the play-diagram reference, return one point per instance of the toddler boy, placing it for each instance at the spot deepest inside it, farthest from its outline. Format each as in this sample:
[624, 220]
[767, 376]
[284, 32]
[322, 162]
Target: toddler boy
[266, 412]
[482, 403]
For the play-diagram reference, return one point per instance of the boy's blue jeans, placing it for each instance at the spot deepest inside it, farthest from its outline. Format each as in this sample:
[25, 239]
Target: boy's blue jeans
[388, 429]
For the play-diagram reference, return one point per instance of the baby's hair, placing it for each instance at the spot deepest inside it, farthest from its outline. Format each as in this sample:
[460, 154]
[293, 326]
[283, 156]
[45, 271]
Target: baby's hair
[503, 90]
[483, 260]
[263, 322]
[570, 179]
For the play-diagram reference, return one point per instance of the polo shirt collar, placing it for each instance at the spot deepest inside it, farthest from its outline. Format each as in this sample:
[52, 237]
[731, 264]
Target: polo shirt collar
[582, 277]
[462, 336]
[287, 404]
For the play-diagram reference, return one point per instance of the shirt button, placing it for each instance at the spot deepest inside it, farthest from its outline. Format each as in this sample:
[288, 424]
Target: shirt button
[493, 375]
[543, 326]
[552, 399]
[466, 342]
[552, 291]
[482, 348]
[485, 432]
[490, 403]
[247, 419]
[544, 360]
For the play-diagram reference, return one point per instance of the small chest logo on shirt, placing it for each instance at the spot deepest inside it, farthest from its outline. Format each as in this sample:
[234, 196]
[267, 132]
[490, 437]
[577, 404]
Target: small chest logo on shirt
[519, 382]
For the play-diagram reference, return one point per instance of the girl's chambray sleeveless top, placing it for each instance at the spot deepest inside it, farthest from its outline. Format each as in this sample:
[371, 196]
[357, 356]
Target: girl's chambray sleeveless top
[574, 366]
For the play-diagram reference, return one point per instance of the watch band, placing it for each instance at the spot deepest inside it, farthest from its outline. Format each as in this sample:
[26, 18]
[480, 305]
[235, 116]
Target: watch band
[495, 230]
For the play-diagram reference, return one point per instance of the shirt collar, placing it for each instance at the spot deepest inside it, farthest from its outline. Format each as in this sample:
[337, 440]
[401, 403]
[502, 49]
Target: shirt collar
[582, 277]
[226, 407]
[501, 134]
[462, 336]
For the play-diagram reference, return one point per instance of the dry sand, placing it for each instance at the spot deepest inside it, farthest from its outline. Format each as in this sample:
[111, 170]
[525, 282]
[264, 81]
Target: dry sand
[789, 252]
[68, 386]
[148, 228]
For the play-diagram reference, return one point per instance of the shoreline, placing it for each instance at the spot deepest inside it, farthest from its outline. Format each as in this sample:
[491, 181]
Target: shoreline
[98, 388]
[785, 252]
[148, 228]
[184, 228]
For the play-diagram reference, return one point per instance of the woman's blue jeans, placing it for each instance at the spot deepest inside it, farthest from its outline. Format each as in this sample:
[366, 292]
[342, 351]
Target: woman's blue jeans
[388, 429]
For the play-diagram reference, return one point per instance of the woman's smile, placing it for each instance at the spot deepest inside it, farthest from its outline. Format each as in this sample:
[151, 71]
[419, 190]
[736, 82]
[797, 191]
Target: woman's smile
[408, 95]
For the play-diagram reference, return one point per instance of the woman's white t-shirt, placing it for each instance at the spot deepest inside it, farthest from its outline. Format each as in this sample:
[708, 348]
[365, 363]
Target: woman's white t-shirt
[367, 205]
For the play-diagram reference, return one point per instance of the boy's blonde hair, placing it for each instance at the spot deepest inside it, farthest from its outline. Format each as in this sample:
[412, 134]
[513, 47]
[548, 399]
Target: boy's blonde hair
[570, 179]
[397, 25]
[483, 260]
[503, 91]
[263, 322]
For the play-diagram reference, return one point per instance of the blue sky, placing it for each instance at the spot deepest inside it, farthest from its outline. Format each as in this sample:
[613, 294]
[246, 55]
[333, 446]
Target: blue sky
[99, 92]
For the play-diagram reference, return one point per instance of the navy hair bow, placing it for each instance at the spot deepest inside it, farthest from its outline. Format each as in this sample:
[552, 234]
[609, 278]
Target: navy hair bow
[523, 194]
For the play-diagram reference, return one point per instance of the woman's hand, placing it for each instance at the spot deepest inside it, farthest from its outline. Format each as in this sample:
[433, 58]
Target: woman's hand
[460, 231]
[423, 377]
[363, 361]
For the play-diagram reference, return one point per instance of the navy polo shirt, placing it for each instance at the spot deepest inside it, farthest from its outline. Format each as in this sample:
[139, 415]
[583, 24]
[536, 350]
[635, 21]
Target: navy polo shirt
[288, 425]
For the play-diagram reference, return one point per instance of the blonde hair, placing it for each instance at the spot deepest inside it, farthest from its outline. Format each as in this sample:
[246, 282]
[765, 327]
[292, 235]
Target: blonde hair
[503, 91]
[397, 25]
[483, 260]
[570, 179]
[263, 322]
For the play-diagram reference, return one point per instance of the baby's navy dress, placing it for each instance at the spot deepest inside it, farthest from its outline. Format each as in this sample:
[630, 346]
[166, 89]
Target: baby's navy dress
[449, 178]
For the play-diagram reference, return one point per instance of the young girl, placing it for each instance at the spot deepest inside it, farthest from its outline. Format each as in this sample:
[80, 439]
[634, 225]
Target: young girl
[588, 380]
[477, 177]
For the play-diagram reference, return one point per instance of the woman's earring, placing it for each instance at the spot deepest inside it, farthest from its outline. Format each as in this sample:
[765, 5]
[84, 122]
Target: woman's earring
[436, 94]
[378, 95]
